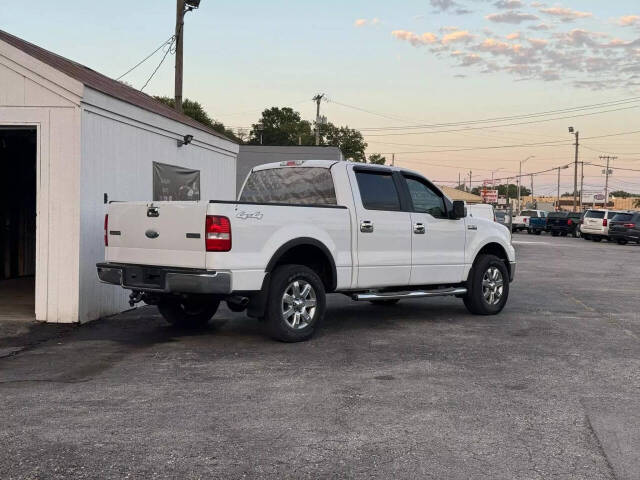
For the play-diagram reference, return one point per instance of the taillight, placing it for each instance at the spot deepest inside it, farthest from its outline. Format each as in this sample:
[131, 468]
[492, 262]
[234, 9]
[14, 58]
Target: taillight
[604, 222]
[570, 222]
[217, 234]
[629, 225]
[106, 230]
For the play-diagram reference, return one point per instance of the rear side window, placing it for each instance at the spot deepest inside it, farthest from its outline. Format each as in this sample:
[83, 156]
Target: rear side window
[529, 213]
[622, 217]
[378, 191]
[610, 215]
[301, 186]
[594, 214]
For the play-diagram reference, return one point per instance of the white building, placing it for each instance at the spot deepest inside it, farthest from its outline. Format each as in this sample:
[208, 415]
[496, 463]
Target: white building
[69, 139]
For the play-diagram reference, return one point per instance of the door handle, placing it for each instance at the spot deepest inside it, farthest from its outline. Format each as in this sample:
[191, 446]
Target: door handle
[472, 227]
[366, 226]
[418, 228]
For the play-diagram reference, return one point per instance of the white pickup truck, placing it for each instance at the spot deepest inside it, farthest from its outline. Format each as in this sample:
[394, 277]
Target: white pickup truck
[299, 230]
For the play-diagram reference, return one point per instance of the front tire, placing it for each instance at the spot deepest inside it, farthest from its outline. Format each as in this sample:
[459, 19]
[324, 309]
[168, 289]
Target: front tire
[296, 303]
[488, 286]
[622, 241]
[188, 312]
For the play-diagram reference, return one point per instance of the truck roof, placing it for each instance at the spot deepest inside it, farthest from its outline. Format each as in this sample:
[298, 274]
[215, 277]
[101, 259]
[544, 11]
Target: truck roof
[328, 164]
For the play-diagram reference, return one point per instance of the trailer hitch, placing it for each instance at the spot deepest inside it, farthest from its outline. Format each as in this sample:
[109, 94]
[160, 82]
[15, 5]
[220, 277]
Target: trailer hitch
[135, 297]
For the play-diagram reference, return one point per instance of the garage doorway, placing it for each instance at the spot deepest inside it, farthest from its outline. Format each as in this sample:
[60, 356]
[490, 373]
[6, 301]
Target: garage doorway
[18, 180]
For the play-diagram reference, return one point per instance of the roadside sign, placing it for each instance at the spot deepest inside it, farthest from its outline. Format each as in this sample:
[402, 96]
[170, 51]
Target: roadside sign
[489, 196]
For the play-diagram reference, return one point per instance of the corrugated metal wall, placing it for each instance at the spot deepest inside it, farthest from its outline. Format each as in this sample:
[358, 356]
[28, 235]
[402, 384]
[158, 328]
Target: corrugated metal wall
[117, 155]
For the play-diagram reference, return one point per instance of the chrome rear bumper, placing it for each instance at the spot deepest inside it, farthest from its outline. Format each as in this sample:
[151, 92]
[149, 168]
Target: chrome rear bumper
[148, 278]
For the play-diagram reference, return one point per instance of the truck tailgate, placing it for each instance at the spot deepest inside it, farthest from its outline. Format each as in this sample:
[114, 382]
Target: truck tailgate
[159, 233]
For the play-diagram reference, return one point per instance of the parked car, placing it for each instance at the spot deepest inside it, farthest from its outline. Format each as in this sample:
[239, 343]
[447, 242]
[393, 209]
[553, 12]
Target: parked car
[625, 228]
[522, 221]
[481, 210]
[564, 223]
[301, 229]
[595, 225]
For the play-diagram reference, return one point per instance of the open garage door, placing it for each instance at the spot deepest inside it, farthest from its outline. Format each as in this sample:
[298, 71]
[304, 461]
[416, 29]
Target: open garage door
[18, 174]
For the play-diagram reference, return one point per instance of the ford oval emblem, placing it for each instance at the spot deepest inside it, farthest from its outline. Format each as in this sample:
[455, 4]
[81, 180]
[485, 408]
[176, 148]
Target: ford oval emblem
[151, 234]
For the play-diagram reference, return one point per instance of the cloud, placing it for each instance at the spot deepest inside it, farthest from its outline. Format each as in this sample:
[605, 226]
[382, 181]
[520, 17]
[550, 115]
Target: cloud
[565, 14]
[538, 42]
[361, 22]
[375, 21]
[512, 17]
[415, 39]
[449, 29]
[457, 36]
[513, 36]
[580, 38]
[443, 5]
[470, 59]
[497, 47]
[629, 20]
[508, 4]
[540, 27]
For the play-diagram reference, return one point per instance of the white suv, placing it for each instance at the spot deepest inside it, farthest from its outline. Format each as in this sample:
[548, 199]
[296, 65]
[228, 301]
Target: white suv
[595, 225]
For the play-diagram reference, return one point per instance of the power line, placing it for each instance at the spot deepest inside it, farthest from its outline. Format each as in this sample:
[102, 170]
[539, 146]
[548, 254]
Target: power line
[166, 42]
[169, 50]
[499, 126]
[508, 118]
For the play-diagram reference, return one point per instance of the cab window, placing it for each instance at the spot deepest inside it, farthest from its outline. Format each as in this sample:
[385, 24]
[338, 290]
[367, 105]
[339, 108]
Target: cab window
[425, 199]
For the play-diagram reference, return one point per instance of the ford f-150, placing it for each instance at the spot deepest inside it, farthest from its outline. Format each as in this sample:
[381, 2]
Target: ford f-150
[300, 230]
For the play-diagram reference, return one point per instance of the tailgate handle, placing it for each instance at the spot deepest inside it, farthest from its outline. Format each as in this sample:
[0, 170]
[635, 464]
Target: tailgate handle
[153, 212]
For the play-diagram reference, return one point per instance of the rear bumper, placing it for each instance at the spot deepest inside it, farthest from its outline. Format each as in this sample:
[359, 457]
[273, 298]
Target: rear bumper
[164, 279]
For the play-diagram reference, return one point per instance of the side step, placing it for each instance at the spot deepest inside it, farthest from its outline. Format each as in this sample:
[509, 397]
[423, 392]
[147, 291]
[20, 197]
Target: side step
[443, 292]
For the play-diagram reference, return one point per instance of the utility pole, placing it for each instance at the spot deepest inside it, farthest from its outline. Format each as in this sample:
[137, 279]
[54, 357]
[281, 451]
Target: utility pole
[470, 187]
[182, 7]
[318, 98]
[558, 197]
[393, 159]
[606, 182]
[459, 180]
[581, 182]
[532, 201]
[575, 169]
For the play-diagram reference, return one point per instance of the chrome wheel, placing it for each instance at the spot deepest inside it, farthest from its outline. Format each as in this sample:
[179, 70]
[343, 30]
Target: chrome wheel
[299, 304]
[492, 286]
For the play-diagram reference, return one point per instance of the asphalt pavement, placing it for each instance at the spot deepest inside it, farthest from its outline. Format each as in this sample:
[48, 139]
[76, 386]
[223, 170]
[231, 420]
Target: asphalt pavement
[550, 388]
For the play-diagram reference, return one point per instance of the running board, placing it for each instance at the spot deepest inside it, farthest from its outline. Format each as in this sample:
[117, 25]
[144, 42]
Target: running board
[443, 292]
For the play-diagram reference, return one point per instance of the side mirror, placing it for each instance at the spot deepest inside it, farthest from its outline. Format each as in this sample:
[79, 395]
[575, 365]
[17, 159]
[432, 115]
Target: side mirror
[459, 210]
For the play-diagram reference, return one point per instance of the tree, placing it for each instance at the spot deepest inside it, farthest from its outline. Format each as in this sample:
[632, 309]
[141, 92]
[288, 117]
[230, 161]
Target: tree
[502, 190]
[636, 204]
[350, 141]
[377, 159]
[622, 194]
[194, 110]
[281, 126]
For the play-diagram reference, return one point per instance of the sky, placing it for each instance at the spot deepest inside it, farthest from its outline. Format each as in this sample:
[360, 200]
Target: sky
[413, 76]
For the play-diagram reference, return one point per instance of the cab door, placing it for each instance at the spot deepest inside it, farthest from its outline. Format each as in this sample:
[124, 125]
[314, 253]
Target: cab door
[383, 228]
[438, 242]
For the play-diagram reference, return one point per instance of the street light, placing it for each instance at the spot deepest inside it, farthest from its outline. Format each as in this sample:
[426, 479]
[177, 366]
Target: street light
[520, 180]
[576, 134]
[558, 198]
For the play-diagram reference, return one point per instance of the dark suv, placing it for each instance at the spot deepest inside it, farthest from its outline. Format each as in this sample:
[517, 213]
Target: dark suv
[625, 227]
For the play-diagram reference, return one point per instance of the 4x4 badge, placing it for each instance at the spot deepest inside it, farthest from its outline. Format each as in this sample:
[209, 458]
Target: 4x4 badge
[244, 215]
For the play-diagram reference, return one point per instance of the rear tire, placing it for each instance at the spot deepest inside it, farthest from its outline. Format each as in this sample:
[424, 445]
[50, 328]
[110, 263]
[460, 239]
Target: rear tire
[564, 234]
[538, 232]
[555, 234]
[189, 312]
[296, 303]
[487, 291]
[596, 239]
[622, 241]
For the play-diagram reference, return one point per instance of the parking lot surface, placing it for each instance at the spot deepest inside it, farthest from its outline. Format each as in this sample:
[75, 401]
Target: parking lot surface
[548, 389]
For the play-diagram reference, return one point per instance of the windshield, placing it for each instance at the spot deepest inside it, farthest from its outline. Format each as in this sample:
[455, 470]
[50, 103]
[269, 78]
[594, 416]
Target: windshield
[594, 214]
